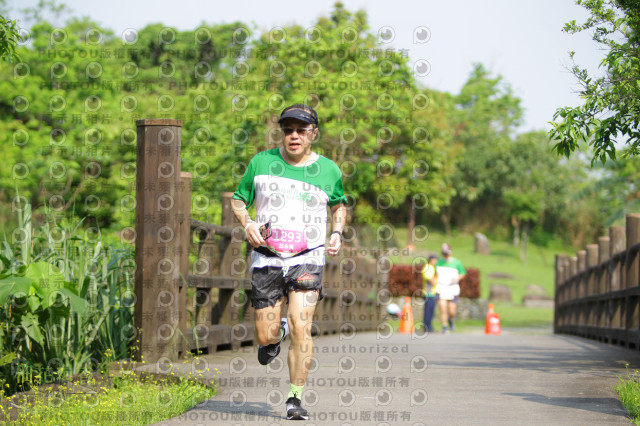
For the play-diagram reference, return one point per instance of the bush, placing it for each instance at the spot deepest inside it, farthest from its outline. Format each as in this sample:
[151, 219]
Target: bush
[406, 280]
[470, 284]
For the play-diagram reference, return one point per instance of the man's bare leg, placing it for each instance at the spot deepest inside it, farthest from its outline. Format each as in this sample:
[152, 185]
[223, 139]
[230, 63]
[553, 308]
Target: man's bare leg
[268, 323]
[302, 305]
[443, 312]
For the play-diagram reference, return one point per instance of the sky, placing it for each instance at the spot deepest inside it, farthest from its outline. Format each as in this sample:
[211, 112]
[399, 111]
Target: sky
[521, 40]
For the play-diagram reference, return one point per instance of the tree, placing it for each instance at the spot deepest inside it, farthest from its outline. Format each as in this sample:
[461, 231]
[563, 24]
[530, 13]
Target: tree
[532, 180]
[486, 115]
[9, 38]
[610, 114]
[375, 124]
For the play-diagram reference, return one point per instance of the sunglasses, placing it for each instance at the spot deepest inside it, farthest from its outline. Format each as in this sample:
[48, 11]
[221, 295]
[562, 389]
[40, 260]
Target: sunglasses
[302, 131]
[265, 230]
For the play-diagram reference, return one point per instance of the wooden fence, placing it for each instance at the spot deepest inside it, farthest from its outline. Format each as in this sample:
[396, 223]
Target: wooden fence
[598, 290]
[192, 278]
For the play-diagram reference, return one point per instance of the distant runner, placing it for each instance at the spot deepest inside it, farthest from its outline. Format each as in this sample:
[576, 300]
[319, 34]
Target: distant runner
[449, 271]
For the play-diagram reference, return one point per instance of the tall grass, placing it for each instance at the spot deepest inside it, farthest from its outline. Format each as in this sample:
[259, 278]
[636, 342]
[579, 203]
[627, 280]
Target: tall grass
[66, 301]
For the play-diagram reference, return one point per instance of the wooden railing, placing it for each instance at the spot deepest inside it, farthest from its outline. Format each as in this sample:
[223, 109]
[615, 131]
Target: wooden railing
[598, 290]
[192, 278]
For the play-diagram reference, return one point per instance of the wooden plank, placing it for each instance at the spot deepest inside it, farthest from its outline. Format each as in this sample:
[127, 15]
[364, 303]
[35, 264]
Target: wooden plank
[225, 231]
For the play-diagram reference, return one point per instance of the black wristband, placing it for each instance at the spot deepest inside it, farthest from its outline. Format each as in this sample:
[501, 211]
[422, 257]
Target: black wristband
[339, 233]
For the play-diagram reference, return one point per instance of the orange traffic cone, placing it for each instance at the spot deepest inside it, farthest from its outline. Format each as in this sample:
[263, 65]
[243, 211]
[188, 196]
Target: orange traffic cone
[406, 320]
[492, 323]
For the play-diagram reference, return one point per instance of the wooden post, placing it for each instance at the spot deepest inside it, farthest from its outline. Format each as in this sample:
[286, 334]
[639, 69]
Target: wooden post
[603, 286]
[184, 245]
[574, 292]
[592, 260]
[632, 274]
[581, 311]
[603, 256]
[157, 266]
[559, 290]
[616, 237]
[231, 252]
[582, 265]
[590, 307]
[631, 263]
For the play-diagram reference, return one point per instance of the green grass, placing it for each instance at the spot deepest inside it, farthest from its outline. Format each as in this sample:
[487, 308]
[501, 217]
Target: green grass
[629, 390]
[517, 316]
[511, 316]
[103, 400]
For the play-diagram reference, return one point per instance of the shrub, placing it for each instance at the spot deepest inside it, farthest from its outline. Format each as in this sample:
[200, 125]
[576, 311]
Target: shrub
[406, 280]
[470, 284]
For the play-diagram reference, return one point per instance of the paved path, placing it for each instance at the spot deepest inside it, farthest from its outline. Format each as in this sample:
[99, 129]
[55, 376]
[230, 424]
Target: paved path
[457, 379]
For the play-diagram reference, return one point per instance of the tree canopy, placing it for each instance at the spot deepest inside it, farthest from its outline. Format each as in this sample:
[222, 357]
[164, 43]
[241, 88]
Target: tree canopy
[609, 118]
[409, 154]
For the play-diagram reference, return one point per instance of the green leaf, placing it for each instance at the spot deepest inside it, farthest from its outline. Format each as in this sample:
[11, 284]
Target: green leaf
[32, 326]
[7, 359]
[78, 304]
[12, 285]
[46, 279]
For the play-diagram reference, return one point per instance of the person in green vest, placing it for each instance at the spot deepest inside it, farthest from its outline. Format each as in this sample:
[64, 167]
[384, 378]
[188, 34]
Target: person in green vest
[449, 271]
[292, 187]
[430, 283]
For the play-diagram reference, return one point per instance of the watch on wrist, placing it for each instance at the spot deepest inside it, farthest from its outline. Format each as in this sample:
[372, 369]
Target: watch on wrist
[339, 233]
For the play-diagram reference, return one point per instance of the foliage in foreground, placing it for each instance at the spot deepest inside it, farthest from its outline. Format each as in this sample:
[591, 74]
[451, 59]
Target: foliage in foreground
[105, 400]
[610, 112]
[629, 390]
[66, 302]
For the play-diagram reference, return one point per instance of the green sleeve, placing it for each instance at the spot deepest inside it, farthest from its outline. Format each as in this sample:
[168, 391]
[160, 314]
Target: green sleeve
[460, 268]
[337, 196]
[246, 188]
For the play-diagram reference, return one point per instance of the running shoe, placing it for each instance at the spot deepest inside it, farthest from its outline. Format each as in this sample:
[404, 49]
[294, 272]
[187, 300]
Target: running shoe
[295, 410]
[268, 353]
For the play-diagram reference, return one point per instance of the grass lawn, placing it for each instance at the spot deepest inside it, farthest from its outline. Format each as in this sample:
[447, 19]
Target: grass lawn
[511, 316]
[96, 399]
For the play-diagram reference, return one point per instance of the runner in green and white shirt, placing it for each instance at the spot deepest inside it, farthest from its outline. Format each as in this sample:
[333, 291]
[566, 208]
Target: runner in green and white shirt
[450, 271]
[292, 187]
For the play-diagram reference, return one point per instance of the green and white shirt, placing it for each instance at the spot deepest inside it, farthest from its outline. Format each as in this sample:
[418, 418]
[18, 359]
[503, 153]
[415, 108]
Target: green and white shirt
[449, 271]
[294, 199]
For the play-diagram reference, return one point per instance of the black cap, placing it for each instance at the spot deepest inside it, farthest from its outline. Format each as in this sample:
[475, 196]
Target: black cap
[299, 113]
[432, 256]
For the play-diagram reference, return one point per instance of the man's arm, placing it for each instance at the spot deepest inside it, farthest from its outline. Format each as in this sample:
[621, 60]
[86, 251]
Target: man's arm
[463, 271]
[251, 228]
[338, 216]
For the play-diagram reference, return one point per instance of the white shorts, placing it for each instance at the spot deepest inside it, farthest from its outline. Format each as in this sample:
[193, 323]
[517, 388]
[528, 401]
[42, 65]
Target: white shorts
[448, 292]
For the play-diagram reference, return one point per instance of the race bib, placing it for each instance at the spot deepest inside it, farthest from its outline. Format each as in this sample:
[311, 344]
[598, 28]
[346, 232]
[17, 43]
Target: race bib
[286, 241]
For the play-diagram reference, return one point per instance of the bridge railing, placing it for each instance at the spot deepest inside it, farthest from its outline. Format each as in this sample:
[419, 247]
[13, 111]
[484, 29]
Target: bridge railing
[192, 278]
[598, 290]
